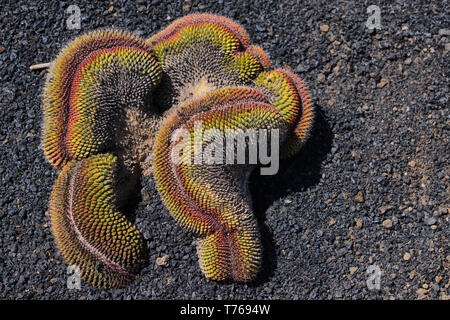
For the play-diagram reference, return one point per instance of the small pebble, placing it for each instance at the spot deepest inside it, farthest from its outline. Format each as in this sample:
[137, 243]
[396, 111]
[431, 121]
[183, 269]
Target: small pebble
[387, 223]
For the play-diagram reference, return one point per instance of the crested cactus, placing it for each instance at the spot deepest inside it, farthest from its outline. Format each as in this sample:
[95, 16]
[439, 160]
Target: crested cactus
[92, 79]
[88, 227]
[204, 198]
[203, 52]
[288, 94]
[110, 97]
[211, 200]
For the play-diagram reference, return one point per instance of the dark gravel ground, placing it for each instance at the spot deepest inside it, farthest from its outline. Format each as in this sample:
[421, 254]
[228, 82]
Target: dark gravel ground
[371, 187]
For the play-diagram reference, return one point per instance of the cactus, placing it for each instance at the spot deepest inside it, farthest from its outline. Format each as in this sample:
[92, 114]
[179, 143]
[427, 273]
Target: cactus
[211, 200]
[203, 52]
[89, 230]
[94, 77]
[289, 95]
[204, 199]
[110, 97]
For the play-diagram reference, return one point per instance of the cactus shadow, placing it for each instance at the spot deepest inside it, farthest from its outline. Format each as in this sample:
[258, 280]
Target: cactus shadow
[129, 207]
[296, 174]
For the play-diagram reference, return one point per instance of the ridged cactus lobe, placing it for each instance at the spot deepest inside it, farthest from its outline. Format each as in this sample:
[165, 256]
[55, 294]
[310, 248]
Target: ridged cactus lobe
[201, 53]
[94, 77]
[89, 230]
[106, 82]
[288, 94]
[212, 200]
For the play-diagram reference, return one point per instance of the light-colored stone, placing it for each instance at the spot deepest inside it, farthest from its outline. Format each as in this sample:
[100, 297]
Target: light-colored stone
[321, 77]
[359, 197]
[387, 223]
[324, 28]
[383, 82]
[444, 32]
[353, 270]
[162, 261]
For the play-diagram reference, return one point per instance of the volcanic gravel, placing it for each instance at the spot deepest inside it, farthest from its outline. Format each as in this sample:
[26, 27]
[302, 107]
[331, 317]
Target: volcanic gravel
[370, 187]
